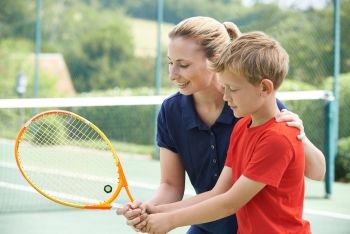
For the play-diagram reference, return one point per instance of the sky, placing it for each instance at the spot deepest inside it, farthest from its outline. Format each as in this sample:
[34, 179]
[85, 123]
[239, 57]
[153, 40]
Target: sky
[302, 4]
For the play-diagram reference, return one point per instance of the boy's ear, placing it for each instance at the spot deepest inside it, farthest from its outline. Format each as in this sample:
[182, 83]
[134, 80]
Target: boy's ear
[267, 86]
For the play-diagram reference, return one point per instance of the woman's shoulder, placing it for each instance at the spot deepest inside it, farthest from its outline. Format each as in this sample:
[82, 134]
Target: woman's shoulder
[176, 100]
[172, 98]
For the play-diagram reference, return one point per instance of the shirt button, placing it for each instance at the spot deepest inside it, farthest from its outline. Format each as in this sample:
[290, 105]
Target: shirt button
[215, 175]
[212, 147]
[214, 160]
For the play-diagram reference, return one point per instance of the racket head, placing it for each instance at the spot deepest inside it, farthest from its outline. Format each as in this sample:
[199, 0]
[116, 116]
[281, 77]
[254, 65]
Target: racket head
[69, 160]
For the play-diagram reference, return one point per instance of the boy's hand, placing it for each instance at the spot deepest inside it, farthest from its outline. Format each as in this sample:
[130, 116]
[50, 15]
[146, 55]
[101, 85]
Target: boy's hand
[158, 223]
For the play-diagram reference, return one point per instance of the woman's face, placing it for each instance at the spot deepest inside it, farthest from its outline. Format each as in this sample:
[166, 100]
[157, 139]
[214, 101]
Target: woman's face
[188, 68]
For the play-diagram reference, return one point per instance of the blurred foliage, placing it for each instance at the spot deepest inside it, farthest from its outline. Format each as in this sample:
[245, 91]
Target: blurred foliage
[344, 34]
[17, 19]
[17, 57]
[344, 102]
[342, 161]
[97, 42]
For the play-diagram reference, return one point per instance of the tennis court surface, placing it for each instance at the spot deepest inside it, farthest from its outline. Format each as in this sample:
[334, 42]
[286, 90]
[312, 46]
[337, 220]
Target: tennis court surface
[24, 211]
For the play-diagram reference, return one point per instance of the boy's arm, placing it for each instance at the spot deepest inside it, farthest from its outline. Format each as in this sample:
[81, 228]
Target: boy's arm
[214, 208]
[223, 184]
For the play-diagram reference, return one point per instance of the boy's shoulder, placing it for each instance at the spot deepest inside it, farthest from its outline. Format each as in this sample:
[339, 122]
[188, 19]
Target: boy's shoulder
[271, 127]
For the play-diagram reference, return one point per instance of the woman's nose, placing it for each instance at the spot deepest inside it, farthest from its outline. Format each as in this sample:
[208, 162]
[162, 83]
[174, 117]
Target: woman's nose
[173, 73]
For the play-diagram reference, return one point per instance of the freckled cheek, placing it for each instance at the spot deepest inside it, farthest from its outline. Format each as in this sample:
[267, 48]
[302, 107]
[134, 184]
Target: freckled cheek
[238, 99]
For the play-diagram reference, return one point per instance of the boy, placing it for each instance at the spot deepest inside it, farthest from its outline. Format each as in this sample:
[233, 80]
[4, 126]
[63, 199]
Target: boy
[263, 178]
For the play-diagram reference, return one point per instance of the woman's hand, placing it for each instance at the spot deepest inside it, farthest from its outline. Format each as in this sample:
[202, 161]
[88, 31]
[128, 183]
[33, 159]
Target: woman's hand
[291, 120]
[135, 214]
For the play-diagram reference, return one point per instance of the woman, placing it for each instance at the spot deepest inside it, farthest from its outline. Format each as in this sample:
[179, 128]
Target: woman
[194, 125]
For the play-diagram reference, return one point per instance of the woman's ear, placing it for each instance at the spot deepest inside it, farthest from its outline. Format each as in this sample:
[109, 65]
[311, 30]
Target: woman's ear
[215, 57]
[266, 87]
[210, 61]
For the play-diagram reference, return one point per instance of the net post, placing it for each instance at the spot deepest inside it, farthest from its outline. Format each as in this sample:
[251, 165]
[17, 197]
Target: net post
[333, 106]
[329, 148]
[160, 12]
[37, 49]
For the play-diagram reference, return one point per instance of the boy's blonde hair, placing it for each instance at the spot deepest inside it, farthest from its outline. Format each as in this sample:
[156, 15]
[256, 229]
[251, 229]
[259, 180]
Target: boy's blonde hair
[256, 56]
[211, 35]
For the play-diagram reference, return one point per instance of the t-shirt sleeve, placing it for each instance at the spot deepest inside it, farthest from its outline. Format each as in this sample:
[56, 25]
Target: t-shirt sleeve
[270, 160]
[164, 138]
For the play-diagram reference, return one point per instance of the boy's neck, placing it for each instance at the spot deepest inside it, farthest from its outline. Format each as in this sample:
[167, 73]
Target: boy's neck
[267, 111]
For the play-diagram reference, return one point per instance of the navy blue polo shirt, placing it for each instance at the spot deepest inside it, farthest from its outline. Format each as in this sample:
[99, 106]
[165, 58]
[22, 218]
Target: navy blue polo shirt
[202, 149]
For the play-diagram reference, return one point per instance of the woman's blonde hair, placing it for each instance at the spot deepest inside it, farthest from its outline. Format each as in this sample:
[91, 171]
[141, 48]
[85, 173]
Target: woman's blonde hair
[256, 56]
[212, 35]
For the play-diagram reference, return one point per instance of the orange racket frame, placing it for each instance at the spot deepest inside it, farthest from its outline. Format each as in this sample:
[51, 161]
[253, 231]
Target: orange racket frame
[122, 179]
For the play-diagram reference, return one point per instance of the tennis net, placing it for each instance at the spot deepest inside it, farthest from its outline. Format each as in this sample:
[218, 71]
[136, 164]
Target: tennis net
[130, 124]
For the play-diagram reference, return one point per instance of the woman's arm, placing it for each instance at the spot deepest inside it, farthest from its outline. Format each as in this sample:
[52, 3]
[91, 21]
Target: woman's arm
[315, 166]
[171, 188]
[172, 180]
[212, 208]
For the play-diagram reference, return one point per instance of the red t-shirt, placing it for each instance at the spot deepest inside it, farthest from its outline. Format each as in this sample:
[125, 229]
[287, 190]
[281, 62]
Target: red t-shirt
[270, 154]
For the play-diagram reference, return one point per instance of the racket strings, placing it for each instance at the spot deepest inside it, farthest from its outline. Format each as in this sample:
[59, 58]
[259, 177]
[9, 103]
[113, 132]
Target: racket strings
[81, 132]
[62, 153]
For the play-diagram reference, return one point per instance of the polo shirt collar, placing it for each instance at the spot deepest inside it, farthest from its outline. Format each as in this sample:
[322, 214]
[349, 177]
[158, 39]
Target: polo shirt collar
[226, 116]
[191, 119]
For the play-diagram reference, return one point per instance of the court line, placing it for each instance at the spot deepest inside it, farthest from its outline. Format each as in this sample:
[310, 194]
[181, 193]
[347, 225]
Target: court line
[132, 183]
[306, 211]
[149, 186]
[55, 194]
[327, 214]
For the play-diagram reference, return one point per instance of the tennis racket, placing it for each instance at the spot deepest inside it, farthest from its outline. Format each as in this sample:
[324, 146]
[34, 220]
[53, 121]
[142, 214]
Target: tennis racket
[70, 161]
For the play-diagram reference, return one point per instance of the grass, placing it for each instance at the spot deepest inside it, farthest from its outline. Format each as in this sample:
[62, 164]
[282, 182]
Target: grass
[135, 149]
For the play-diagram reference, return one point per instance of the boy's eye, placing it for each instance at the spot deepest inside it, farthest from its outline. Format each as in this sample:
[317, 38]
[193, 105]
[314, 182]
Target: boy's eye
[183, 65]
[231, 89]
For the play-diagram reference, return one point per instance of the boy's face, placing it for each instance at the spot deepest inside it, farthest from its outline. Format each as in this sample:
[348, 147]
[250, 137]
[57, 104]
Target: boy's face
[242, 97]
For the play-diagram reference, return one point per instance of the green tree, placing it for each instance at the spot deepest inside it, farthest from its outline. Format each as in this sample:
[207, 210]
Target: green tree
[345, 40]
[306, 35]
[309, 44]
[17, 18]
[17, 57]
[93, 62]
